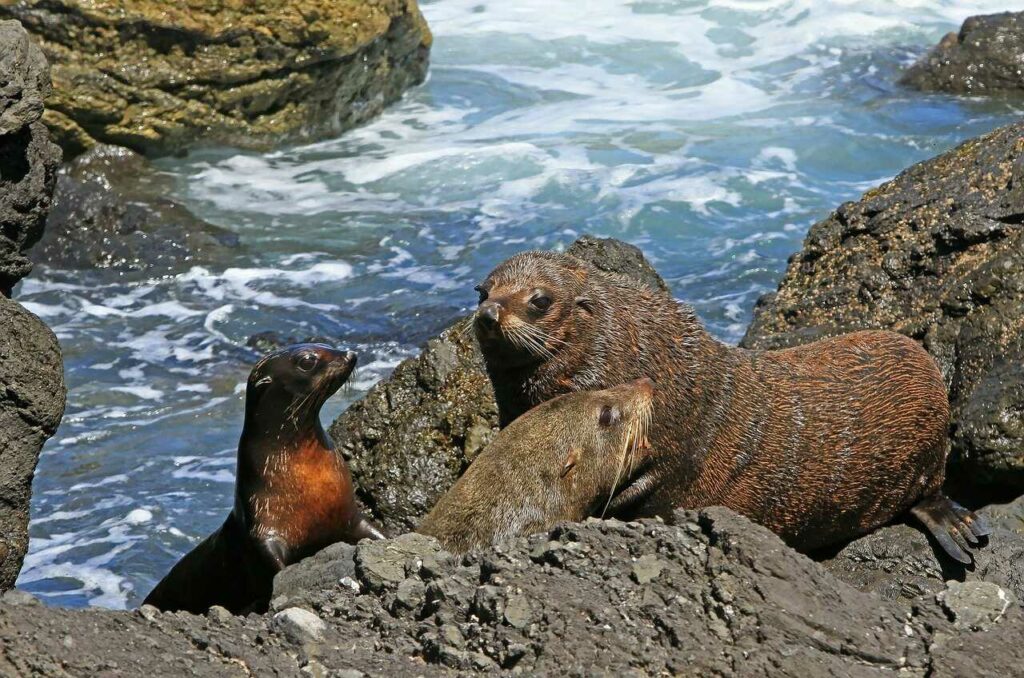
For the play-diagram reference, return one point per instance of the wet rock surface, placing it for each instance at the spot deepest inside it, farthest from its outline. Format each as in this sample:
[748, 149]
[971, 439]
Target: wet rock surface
[936, 254]
[32, 389]
[111, 211]
[28, 159]
[157, 76]
[728, 598]
[414, 433]
[985, 57]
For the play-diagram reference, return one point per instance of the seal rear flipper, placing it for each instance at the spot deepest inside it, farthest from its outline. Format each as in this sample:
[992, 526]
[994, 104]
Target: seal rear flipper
[955, 528]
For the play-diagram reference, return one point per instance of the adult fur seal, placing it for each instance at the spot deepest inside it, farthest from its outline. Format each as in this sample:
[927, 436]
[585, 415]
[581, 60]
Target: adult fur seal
[820, 443]
[293, 491]
[559, 461]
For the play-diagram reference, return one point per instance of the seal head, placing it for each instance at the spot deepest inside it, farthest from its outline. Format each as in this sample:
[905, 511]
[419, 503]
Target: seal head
[563, 460]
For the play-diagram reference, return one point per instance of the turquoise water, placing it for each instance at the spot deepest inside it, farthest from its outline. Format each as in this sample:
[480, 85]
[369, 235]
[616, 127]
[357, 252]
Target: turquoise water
[710, 134]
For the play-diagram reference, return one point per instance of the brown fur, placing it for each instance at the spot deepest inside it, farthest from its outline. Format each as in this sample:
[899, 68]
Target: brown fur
[819, 443]
[293, 491]
[557, 462]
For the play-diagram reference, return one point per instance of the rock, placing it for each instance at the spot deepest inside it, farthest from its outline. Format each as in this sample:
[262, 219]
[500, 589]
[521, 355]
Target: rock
[900, 563]
[26, 81]
[646, 569]
[938, 255]
[615, 256]
[985, 57]
[414, 433]
[156, 77]
[321, 572]
[32, 395]
[386, 564]
[16, 597]
[110, 210]
[735, 600]
[975, 605]
[301, 627]
[28, 160]
[32, 389]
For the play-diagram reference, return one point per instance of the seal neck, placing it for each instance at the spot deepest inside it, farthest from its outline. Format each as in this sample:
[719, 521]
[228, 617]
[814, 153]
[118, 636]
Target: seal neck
[266, 444]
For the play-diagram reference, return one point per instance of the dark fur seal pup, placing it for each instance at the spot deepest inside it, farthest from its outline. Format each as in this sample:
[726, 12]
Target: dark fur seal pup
[820, 443]
[293, 491]
[559, 461]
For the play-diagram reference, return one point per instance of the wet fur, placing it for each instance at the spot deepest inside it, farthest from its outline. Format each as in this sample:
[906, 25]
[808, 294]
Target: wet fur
[553, 464]
[293, 497]
[820, 443]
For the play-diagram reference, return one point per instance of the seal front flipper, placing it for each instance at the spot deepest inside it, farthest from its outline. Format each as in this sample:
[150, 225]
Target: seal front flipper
[273, 551]
[953, 526]
[364, 529]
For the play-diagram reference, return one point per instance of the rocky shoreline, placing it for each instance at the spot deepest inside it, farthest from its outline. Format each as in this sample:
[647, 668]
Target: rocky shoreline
[712, 594]
[934, 254]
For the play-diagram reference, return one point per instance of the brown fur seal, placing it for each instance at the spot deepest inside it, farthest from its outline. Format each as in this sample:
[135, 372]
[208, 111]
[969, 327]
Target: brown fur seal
[293, 491]
[559, 461]
[820, 443]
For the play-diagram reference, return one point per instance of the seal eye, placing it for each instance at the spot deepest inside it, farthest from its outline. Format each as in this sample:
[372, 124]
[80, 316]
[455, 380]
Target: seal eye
[307, 361]
[607, 416]
[541, 302]
[483, 293]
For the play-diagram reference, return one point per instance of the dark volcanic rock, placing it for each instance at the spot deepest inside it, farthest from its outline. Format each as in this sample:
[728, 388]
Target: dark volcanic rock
[157, 76]
[414, 433]
[720, 596]
[110, 210]
[899, 562]
[28, 160]
[31, 371]
[937, 254]
[32, 397]
[986, 56]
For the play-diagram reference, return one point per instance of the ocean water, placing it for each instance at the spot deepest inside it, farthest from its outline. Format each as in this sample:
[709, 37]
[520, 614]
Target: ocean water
[711, 134]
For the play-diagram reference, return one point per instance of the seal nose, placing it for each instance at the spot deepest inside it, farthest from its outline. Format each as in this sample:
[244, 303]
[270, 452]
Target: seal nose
[489, 313]
[351, 357]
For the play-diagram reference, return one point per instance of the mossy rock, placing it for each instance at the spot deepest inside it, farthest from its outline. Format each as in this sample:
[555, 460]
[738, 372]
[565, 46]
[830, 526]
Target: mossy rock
[158, 77]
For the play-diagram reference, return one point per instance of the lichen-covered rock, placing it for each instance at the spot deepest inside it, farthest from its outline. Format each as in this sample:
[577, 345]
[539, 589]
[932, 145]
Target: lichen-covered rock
[32, 398]
[158, 76]
[936, 254]
[985, 57]
[111, 210]
[414, 433]
[728, 598]
[28, 160]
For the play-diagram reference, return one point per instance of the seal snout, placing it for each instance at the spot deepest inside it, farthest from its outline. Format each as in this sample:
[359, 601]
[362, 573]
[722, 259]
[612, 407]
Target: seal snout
[488, 314]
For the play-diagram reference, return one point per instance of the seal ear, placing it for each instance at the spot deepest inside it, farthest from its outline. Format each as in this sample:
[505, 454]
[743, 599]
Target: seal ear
[585, 303]
[263, 382]
[570, 461]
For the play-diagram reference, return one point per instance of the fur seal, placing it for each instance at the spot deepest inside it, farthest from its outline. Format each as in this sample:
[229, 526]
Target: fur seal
[293, 490]
[559, 461]
[819, 443]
